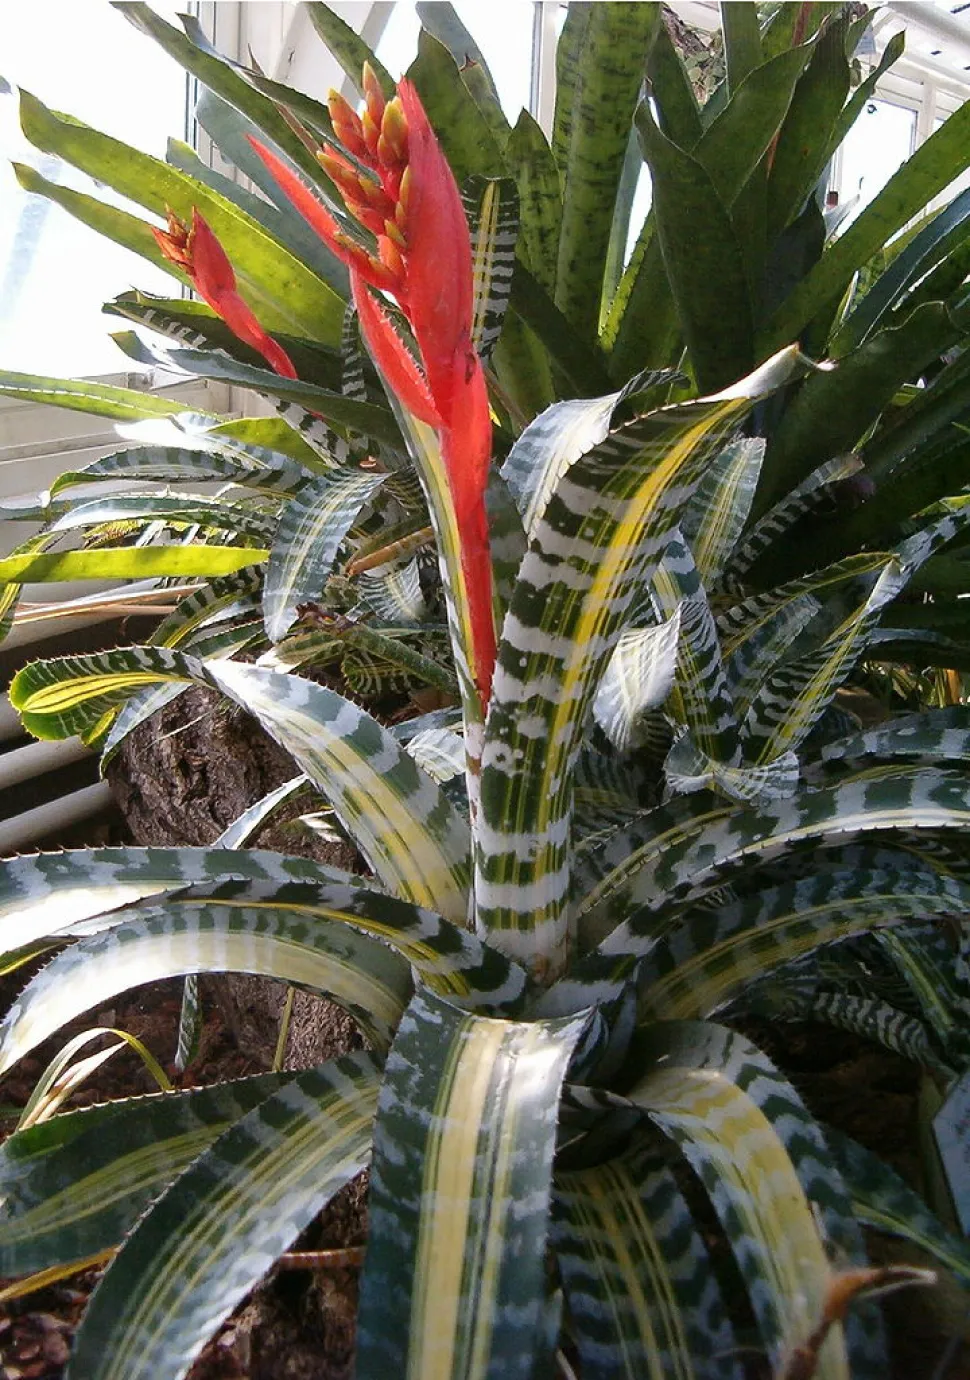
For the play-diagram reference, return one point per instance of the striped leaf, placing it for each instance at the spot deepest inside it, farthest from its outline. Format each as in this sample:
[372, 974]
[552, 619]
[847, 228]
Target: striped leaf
[454, 1280]
[183, 510]
[245, 825]
[410, 834]
[643, 1301]
[687, 768]
[803, 499]
[322, 954]
[178, 464]
[214, 600]
[492, 209]
[598, 539]
[710, 956]
[883, 1201]
[218, 1229]
[765, 1165]
[715, 517]
[395, 594]
[85, 395]
[936, 736]
[72, 1191]
[638, 678]
[311, 528]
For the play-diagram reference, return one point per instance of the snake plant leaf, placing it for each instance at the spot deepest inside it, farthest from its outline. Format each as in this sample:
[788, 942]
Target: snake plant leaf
[86, 395]
[529, 159]
[443, 21]
[689, 847]
[321, 954]
[129, 563]
[638, 678]
[705, 266]
[462, 129]
[715, 518]
[598, 539]
[606, 52]
[412, 836]
[65, 1199]
[764, 1162]
[742, 42]
[707, 957]
[347, 47]
[454, 1278]
[285, 294]
[226, 81]
[885, 1202]
[492, 209]
[803, 139]
[702, 698]
[311, 529]
[946, 231]
[925, 175]
[834, 408]
[642, 1298]
[219, 1227]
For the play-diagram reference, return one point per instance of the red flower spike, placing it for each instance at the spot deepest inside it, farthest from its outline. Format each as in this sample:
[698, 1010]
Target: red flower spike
[346, 125]
[199, 254]
[426, 263]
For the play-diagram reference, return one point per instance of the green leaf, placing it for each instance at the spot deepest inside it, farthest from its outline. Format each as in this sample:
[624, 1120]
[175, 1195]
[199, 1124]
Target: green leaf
[742, 42]
[311, 529]
[529, 159]
[130, 563]
[709, 957]
[85, 395]
[347, 47]
[186, 509]
[182, 464]
[641, 1293]
[413, 838]
[704, 260]
[883, 1201]
[462, 129]
[73, 1191]
[922, 177]
[836, 407]
[611, 514]
[764, 1163]
[589, 142]
[284, 293]
[220, 1226]
[323, 954]
[454, 1278]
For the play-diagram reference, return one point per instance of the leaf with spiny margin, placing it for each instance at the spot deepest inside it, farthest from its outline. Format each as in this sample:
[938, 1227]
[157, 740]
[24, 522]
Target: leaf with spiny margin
[440, 751]
[189, 1036]
[395, 594]
[803, 499]
[85, 395]
[765, 1165]
[597, 542]
[934, 736]
[637, 679]
[183, 509]
[708, 957]
[407, 830]
[641, 1294]
[323, 954]
[454, 1280]
[246, 824]
[792, 700]
[71, 1191]
[884, 1202]
[492, 210]
[687, 768]
[686, 852]
[716, 515]
[220, 1226]
[284, 293]
[311, 528]
[170, 463]
[702, 698]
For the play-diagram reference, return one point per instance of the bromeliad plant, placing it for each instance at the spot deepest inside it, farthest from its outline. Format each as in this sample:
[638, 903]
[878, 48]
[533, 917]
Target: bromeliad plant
[648, 806]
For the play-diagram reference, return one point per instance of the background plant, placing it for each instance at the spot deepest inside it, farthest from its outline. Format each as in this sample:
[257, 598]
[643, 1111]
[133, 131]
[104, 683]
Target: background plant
[673, 809]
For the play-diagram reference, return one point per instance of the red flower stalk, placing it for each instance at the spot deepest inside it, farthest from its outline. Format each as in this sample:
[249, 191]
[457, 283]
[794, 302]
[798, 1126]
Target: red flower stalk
[397, 184]
[199, 254]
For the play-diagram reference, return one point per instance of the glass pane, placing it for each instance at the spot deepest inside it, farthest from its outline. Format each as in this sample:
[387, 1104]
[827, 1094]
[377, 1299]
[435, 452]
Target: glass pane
[502, 30]
[880, 141]
[55, 273]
